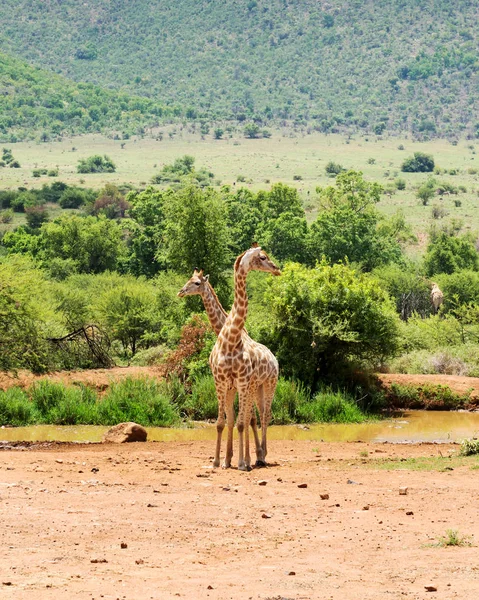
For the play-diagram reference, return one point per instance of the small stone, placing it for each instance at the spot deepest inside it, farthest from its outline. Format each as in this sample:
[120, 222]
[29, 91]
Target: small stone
[151, 506]
[430, 588]
[210, 587]
[262, 482]
[292, 573]
[6, 583]
[266, 516]
[98, 560]
[226, 489]
[366, 507]
[403, 491]
[280, 479]
[409, 512]
[324, 496]
[139, 561]
[123, 545]
[303, 485]
[351, 482]
[59, 461]
[95, 470]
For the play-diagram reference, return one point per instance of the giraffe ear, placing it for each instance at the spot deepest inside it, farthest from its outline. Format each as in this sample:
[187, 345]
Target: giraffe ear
[206, 277]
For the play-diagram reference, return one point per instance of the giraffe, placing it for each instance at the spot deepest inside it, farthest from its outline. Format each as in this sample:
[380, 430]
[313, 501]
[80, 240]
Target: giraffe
[233, 367]
[437, 297]
[262, 359]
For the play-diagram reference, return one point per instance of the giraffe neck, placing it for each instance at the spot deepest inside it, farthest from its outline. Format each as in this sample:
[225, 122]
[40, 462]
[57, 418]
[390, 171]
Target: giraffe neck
[234, 326]
[214, 310]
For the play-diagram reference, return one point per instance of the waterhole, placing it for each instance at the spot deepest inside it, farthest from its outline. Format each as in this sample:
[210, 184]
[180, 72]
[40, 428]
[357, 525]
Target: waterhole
[414, 426]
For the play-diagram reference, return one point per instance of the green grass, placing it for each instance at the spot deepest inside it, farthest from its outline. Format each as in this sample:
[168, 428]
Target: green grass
[469, 447]
[429, 463]
[453, 538]
[277, 159]
[428, 397]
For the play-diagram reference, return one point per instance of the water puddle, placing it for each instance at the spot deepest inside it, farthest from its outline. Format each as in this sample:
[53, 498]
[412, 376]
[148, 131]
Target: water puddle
[416, 426]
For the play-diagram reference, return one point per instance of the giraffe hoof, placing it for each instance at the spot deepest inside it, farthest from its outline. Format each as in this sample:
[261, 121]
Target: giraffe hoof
[244, 468]
[226, 465]
[260, 463]
[216, 464]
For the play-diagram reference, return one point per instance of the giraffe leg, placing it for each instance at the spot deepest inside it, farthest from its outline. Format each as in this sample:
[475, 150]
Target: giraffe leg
[260, 462]
[230, 419]
[220, 423]
[269, 389]
[242, 424]
[254, 427]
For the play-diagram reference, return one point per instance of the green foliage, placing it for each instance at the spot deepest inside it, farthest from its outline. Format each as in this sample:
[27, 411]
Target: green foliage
[183, 170]
[15, 408]
[409, 291]
[448, 252]
[462, 360]
[349, 226]
[318, 321]
[453, 538]
[427, 397]
[419, 163]
[333, 168]
[61, 405]
[459, 288]
[426, 191]
[23, 317]
[40, 103]
[202, 404]
[73, 197]
[253, 54]
[143, 401]
[196, 233]
[96, 164]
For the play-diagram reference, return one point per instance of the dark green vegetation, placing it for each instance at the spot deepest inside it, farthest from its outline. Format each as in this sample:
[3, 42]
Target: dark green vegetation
[342, 66]
[164, 403]
[37, 104]
[98, 285]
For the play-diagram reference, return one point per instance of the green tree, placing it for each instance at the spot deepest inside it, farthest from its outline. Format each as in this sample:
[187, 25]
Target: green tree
[350, 227]
[448, 252]
[318, 321]
[94, 243]
[196, 233]
[285, 237]
[96, 164]
[419, 163]
[251, 130]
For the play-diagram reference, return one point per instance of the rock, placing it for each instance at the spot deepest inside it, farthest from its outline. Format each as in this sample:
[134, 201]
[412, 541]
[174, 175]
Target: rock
[266, 516]
[123, 545]
[366, 507]
[324, 496]
[262, 482]
[403, 491]
[125, 432]
[303, 485]
[430, 588]
[409, 512]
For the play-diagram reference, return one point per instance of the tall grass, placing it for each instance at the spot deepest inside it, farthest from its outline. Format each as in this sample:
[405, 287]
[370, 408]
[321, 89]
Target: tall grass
[162, 403]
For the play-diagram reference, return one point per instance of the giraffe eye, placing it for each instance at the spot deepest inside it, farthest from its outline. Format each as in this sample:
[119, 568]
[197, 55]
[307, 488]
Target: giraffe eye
[197, 283]
[263, 257]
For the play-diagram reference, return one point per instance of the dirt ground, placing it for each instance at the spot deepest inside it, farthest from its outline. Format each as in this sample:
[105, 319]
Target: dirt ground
[155, 521]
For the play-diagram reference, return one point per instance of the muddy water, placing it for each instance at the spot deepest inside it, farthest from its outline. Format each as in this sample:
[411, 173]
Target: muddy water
[417, 426]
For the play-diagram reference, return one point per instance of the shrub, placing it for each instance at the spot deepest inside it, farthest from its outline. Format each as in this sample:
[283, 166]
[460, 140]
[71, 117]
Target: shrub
[15, 408]
[438, 212]
[333, 168]
[6, 216]
[419, 163]
[203, 403]
[427, 397]
[400, 184]
[73, 197]
[328, 406]
[140, 400]
[96, 164]
[288, 397]
[469, 447]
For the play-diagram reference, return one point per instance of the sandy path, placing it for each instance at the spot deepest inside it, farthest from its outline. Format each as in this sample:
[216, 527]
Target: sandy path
[194, 532]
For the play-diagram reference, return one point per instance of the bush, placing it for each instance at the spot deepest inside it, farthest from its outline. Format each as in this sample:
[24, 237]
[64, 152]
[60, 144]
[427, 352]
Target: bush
[96, 164]
[419, 163]
[427, 397]
[333, 168]
[400, 184]
[288, 397]
[6, 216]
[15, 408]
[73, 197]
[321, 321]
[328, 406]
[140, 400]
[469, 447]
[203, 403]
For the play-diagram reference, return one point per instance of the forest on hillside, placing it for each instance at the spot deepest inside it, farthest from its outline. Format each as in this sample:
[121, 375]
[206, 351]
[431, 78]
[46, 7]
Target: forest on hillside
[346, 65]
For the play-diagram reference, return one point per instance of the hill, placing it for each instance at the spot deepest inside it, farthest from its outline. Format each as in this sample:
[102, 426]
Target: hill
[343, 65]
[35, 102]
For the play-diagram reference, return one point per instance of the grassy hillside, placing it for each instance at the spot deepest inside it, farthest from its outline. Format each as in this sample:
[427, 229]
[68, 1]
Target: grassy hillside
[367, 65]
[37, 103]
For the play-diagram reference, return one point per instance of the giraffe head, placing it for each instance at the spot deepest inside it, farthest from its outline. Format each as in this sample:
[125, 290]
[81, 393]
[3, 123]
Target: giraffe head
[195, 285]
[256, 259]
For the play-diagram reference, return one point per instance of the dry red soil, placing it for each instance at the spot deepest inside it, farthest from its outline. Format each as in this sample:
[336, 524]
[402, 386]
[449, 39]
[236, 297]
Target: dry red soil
[155, 521]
